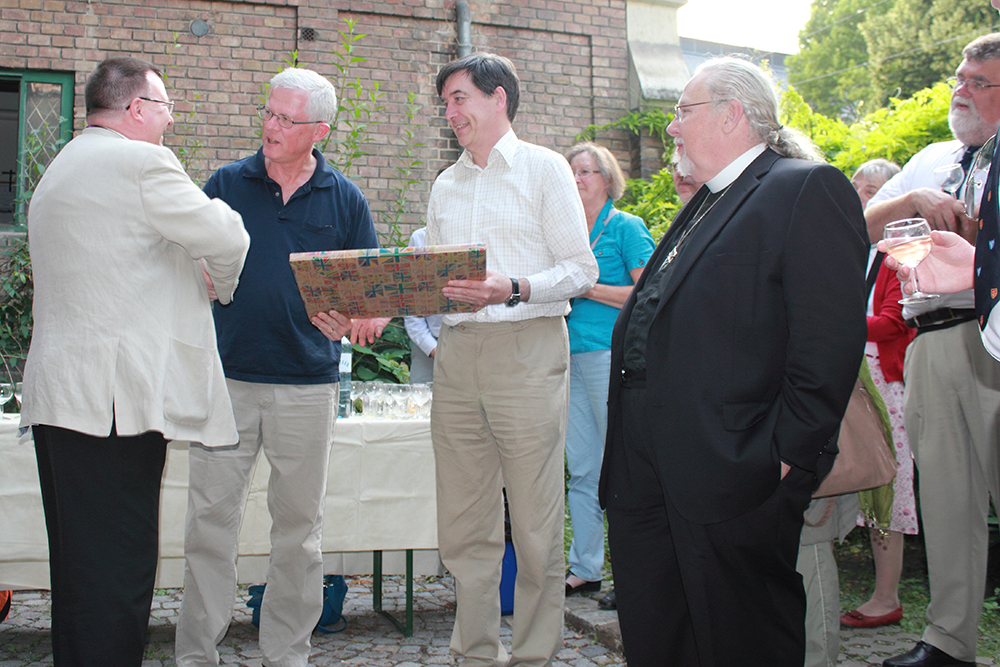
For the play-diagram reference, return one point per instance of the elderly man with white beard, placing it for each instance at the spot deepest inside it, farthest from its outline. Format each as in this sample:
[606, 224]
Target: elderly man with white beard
[952, 396]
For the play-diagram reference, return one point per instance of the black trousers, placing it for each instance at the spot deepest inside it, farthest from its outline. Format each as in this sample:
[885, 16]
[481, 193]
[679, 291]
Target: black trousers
[702, 595]
[101, 498]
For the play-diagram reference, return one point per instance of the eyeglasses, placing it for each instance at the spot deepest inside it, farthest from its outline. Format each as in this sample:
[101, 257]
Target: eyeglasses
[679, 108]
[266, 114]
[583, 173]
[976, 179]
[170, 105]
[972, 85]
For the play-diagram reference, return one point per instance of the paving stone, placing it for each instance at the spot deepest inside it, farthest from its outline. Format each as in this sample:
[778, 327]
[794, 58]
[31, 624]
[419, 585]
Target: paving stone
[592, 637]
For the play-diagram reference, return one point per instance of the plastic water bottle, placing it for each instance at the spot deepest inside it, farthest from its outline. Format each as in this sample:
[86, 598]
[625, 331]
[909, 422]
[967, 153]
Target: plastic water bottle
[345, 379]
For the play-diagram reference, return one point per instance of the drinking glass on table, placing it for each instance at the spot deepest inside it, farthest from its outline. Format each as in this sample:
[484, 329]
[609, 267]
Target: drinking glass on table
[421, 397]
[6, 393]
[380, 398]
[908, 242]
[399, 394]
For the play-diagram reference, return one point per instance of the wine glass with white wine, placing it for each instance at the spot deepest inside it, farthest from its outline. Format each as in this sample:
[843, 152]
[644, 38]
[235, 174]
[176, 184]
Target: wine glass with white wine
[908, 242]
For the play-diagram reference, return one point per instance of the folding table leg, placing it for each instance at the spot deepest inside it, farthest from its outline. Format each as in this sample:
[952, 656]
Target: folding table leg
[407, 628]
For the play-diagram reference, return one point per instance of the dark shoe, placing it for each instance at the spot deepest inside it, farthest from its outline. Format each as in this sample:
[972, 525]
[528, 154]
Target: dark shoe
[608, 601]
[925, 655]
[585, 587]
[856, 619]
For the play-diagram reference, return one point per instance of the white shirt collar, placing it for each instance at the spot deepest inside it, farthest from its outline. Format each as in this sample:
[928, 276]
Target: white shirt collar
[505, 148]
[733, 170]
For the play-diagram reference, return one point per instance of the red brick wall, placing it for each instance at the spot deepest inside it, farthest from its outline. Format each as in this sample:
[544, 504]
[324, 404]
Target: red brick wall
[570, 55]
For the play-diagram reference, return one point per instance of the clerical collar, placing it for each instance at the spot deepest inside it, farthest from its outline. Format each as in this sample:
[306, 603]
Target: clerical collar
[733, 170]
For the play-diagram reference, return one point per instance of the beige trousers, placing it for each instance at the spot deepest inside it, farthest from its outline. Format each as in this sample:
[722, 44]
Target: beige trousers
[818, 568]
[499, 419]
[293, 424]
[952, 409]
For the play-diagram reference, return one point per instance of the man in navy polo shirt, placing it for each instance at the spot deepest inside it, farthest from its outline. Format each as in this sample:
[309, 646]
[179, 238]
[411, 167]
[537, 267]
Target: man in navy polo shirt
[282, 371]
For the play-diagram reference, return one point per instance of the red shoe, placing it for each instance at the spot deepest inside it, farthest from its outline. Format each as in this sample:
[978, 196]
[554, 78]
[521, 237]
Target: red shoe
[856, 619]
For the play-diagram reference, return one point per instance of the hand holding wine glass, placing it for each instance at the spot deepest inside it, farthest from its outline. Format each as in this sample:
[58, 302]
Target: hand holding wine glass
[908, 241]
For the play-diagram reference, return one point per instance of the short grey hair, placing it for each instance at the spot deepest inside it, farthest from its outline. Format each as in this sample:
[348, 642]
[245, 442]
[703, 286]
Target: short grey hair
[729, 78]
[322, 104]
[983, 48]
[877, 171]
[607, 166]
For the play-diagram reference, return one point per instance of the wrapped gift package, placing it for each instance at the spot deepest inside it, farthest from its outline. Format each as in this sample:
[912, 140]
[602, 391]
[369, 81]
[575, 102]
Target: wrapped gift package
[394, 282]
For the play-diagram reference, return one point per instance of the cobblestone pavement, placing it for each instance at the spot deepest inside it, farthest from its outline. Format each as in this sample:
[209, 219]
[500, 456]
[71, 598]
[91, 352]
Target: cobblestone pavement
[591, 636]
[369, 639]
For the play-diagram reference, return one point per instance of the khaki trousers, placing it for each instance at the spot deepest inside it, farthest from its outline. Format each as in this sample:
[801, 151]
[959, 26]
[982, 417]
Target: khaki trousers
[952, 409]
[293, 424]
[499, 419]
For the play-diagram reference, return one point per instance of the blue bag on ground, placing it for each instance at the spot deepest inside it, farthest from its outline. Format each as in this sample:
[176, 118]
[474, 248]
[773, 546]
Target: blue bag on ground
[334, 592]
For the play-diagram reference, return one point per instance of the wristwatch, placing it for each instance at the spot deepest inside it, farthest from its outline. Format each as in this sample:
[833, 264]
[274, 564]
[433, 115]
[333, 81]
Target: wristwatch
[515, 294]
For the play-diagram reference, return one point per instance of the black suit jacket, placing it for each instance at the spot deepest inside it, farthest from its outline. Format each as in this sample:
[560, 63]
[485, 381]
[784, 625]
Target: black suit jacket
[756, 342]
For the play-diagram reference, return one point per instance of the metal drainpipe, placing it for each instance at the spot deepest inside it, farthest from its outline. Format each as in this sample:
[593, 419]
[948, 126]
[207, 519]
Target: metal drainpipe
[464, 17]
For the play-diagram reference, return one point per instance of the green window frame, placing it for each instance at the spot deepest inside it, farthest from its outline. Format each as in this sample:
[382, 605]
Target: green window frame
[41, 129]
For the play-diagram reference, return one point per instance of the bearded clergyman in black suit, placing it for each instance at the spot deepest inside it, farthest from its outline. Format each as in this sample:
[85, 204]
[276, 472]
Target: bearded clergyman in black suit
[732, 364]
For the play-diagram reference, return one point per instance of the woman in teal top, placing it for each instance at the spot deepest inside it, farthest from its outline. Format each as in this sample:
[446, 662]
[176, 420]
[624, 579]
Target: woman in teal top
[622, 245]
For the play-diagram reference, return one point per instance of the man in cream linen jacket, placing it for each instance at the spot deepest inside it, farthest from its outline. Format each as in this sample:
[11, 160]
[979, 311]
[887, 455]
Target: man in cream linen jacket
[126, 252]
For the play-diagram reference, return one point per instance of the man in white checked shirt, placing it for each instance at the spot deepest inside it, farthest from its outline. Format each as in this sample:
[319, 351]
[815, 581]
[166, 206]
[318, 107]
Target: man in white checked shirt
[501, 380]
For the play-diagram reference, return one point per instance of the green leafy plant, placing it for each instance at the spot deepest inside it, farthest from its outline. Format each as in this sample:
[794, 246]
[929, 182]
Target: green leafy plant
[191, 149]
[385, 359]
[37, 150]
[16, 287]
[652, 119]
[405, 180]
[16, 291]
[190, 152]
[357, 104]
[895, 132]
[654, 200]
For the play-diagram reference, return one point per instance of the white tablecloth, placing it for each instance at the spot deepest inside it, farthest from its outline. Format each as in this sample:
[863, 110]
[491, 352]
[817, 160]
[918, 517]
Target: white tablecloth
[380, 496]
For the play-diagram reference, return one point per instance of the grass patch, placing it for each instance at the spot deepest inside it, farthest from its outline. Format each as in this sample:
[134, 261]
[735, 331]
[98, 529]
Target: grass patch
[857, 581]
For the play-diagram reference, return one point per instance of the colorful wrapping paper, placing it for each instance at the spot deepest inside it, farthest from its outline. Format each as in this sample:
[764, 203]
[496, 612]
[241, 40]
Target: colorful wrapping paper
[393, 282]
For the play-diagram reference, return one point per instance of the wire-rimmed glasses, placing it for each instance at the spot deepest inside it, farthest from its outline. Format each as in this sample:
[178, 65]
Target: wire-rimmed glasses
[976, 182]
[266, 114]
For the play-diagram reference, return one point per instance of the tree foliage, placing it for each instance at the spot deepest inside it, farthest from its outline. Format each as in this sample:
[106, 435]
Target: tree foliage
[857, 55]
[895, 132]
[828, 70]
[919, 42]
